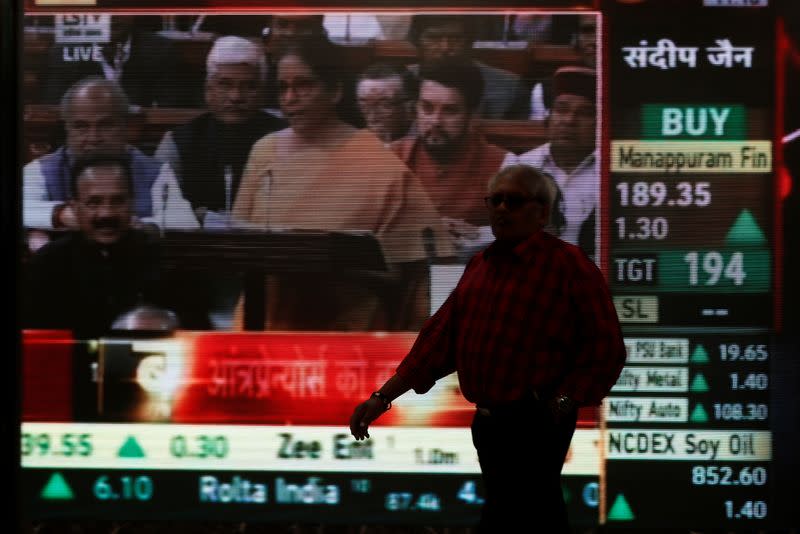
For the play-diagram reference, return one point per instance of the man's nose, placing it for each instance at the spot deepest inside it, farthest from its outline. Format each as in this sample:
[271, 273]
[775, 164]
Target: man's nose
[93, 133]
[449, 47]
[288, 95]
[436, 117]
[569, 117]
[104, 209]
[236, 93]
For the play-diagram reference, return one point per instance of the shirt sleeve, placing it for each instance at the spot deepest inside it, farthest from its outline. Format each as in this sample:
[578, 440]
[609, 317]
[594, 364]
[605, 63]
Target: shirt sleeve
[600, 351]
[37, 211]
[167, 152]
[539, 111]
[170, 209]
[509, 159]
[431, 357]
[433, 354]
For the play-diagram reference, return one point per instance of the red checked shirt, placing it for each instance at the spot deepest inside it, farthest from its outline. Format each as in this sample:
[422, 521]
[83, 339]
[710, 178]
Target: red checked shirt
[536, 316]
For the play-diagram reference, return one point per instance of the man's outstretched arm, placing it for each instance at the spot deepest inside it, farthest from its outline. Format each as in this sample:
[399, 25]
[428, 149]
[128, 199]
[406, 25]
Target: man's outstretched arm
[372, 408]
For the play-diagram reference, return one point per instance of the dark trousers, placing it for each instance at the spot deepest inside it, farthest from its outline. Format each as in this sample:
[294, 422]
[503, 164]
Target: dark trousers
[521, 450]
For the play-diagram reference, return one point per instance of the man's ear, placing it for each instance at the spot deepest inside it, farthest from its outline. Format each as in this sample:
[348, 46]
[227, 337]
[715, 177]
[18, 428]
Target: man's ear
[206, 90]
[545, 213]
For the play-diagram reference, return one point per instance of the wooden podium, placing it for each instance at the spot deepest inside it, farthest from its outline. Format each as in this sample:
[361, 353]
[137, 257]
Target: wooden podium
[259, 253]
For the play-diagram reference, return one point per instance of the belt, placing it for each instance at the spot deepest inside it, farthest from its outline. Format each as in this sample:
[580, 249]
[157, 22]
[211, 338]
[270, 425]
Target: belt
[489, 410]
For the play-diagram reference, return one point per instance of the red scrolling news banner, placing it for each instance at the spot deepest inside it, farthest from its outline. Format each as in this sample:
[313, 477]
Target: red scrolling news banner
[233, 378]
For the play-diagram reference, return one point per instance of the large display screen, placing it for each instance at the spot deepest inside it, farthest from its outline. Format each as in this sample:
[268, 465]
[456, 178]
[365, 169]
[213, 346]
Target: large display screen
[311, 211]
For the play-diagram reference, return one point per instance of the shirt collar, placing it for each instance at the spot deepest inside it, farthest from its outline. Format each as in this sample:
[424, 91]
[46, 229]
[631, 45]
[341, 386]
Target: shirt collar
[524, 250]
[588, 161]
[70, 158]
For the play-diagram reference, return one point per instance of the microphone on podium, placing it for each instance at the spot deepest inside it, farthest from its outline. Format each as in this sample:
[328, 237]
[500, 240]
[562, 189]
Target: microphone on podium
[164, 197]
[228, 176]
[429, 243]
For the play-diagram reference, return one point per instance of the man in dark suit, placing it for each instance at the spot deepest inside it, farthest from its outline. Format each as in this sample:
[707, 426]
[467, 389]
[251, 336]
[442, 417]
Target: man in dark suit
[84, 280]
[144, 64]
[208, 154]
[89, 277]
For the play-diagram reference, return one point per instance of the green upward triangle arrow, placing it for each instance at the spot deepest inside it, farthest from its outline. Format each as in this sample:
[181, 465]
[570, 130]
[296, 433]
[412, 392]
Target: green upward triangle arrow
[699, 415]
[699, 384]
[131, 449]
[745, 231]
[57, 489]
[699, 355]
[620, 510]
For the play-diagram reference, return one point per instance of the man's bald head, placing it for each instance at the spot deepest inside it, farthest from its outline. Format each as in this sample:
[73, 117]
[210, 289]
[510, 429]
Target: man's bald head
[94, 111]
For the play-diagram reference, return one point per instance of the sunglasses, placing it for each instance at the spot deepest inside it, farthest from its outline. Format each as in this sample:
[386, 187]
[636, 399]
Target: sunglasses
[512, 201]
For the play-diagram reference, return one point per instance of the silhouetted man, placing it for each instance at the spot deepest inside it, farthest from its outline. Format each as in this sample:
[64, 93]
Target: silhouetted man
[533, 334]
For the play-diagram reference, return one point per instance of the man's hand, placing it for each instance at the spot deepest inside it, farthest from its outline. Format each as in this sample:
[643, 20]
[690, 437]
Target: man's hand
[364, 414]
[561, 407]
[151, 229]
[380, 401]
[65, 217]
[37, 239]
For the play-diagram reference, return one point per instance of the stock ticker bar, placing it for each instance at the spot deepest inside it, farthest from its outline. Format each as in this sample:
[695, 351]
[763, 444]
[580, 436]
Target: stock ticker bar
[277, 496]
[277, 448]
[163, 438]
[691, 266]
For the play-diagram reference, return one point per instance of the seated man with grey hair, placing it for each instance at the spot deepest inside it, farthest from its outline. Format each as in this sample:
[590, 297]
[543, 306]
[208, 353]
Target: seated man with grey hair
[387, 95]
[209, 152]
[95, 113]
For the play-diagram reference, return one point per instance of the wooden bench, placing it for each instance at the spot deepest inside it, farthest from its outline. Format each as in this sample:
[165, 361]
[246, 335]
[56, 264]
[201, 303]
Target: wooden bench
[532, 63]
